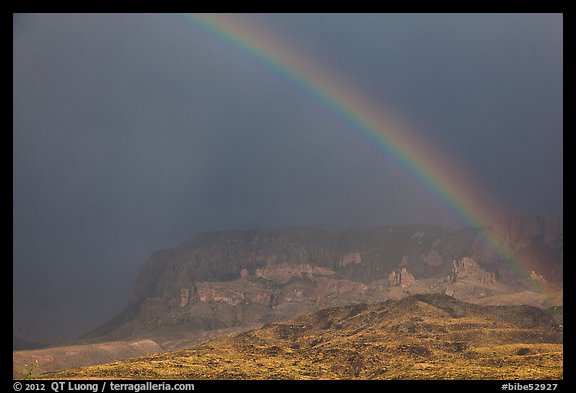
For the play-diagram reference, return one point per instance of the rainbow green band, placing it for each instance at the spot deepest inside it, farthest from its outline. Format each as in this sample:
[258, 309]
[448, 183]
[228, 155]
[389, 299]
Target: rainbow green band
[394, 136]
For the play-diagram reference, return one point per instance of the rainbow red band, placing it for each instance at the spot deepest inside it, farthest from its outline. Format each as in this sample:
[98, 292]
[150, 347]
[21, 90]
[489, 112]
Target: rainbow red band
[433, 169]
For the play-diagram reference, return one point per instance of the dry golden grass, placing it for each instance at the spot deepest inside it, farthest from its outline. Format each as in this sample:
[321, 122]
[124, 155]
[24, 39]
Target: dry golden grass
[422, 337]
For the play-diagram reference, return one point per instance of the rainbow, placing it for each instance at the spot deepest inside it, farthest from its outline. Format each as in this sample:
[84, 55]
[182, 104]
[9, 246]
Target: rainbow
[393, 135]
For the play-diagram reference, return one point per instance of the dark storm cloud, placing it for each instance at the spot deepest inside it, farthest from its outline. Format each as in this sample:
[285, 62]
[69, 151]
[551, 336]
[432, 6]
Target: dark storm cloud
[481, 85]
[134, 132]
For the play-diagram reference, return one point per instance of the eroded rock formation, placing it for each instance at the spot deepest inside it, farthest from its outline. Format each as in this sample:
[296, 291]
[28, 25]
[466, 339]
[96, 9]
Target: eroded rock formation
[184, 297]
[284, 272]
[401, 278]
[538, 278]
[468, 268]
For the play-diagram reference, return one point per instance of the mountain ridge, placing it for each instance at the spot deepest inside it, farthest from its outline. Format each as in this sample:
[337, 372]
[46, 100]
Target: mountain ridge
[230, 278]
[225, 282]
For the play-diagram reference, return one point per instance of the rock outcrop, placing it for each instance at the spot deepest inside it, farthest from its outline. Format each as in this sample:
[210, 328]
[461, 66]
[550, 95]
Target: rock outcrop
[468, 268]
[184, 297]
[537, 278]
[284, 272]
[401, 278]
[234, 293]
[465, 267]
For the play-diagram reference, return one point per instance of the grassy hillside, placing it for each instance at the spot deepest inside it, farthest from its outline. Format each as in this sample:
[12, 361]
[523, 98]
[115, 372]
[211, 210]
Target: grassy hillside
[420, 337]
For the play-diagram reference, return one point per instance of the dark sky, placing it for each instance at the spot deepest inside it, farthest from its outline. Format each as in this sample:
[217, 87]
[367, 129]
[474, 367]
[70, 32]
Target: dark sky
[135, 132]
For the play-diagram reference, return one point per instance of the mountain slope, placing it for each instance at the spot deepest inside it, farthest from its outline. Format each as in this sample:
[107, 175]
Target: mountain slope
[66, 356]
[419, 337]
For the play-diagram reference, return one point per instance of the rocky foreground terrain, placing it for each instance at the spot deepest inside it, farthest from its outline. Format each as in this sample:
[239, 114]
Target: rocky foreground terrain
[419, 337]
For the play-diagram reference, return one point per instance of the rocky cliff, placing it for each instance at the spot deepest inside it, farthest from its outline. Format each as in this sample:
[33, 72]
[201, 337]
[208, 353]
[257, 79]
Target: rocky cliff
[535, 244]
[237, 278]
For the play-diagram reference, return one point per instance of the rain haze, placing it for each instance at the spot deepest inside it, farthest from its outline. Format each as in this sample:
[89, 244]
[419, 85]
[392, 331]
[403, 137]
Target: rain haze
[135, 132]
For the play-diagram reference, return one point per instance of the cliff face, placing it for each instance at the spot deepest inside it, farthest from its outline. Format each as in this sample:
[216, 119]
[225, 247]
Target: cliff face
[237, 278]
[536, 244]
[363, 255]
